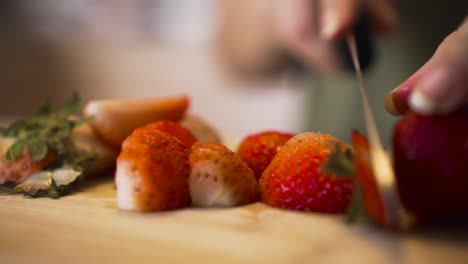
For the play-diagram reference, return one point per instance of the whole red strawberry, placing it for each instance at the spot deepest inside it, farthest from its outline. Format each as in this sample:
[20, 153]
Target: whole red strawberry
[152, 172]
[23, 166]
[431, 158]
[219, 178]
[258, 150]
[174, 129]
[295, 179]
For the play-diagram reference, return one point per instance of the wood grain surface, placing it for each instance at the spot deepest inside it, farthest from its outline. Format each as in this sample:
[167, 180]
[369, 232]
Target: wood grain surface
[86, 227]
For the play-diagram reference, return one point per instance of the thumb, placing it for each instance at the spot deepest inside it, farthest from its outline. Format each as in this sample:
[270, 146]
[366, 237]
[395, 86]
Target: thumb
[441, 85]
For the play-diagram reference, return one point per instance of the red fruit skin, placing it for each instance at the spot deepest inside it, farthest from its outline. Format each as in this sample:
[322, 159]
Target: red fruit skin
[294, 179]
[258, 150]
[431, 158]
[371, 198]
[152, 172]
[174, 129]
[219, 178]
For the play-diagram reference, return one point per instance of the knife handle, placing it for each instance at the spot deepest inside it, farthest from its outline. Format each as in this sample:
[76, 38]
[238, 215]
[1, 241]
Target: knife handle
[364, 45]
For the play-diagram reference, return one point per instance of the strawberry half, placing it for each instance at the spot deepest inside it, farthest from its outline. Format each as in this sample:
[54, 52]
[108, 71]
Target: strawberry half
[114, 120]
[201, 129]
[258, 150]
[174, 129]
[370, 195]
[295, 179]
[219, 178]
[152, 172]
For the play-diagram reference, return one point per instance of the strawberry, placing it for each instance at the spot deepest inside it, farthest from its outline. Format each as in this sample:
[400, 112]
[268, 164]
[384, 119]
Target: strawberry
[295, 179]
[86, 142]
[22, 167]
[258, 150]
[430, 158]
[176, 130]
[370, 195]
[219, 178]
[152, 172]
[366, 197]
[114, 120]
[201, 129]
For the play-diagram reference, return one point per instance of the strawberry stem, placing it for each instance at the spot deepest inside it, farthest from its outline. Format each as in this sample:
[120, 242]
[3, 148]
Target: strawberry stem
[340, 163]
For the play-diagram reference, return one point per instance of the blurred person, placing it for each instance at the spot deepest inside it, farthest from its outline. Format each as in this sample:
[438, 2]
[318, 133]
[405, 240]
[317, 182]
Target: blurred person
[407, 34]
[438, 87]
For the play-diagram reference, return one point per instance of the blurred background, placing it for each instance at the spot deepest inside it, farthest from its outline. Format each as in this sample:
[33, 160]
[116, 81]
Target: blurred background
[223, 54]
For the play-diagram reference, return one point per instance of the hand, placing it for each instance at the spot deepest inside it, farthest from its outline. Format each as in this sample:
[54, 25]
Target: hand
[307, 26]
[441, 85]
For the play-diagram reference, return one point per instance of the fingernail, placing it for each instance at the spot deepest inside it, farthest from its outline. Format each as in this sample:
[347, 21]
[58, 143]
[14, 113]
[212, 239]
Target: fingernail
[389, 103]
[396, 102]
[435, 94]
[421, 103]
[330, 25]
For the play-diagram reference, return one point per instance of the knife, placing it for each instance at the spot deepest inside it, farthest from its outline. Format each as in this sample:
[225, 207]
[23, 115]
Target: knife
[356, 53]
[327, 112]
[384, 174]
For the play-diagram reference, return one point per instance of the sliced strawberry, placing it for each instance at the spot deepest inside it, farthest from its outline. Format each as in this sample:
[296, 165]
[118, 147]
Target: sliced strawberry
[201, 129]
[114, 120]
[370, 194]
[295, 178]
[258, 150]
[152, 172]
[219, 178]
[86, 142]
[176, 130]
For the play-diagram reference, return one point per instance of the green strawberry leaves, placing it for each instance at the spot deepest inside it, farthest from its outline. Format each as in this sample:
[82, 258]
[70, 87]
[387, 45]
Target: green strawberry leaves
[15, 150]
[12, 130]
[71, 107]
[37, 149]
[45, 108]
[45, 129]
[340, 163]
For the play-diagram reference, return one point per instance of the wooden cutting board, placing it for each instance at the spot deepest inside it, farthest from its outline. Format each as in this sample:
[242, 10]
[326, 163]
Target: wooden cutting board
[86, 227]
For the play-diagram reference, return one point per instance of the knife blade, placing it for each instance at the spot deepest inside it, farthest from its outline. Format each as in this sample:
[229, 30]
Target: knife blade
[380, 160]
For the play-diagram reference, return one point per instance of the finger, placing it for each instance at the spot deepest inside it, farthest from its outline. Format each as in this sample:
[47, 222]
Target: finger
[382, 14]
[440, 86]
[296, 29]
[337, 17]
[396, 102]
[294, 20]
